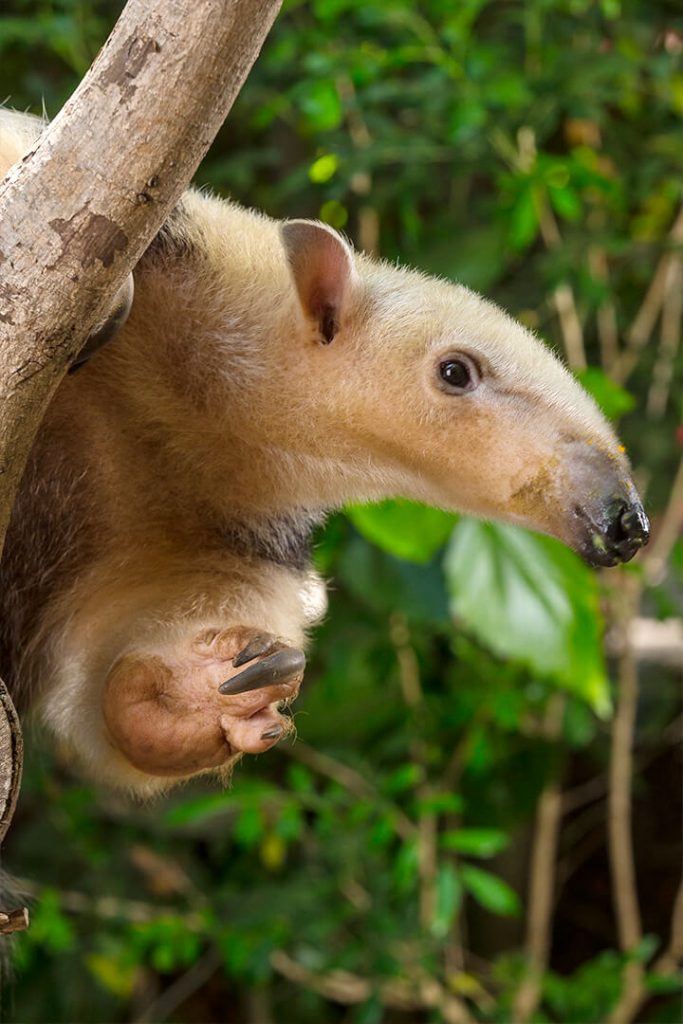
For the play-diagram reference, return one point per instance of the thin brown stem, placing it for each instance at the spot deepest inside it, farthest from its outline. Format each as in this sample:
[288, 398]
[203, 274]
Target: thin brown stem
[406, 994]
[563, 294]
[670, 339]
[181, 989]
[411, 688]
[657, 555]
[622, 864]
[542, 874]
[361, 181]
[608, 329]
[643, 324]
[350, 779]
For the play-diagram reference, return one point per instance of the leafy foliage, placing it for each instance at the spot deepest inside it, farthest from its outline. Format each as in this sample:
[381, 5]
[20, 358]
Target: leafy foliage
[517, 148]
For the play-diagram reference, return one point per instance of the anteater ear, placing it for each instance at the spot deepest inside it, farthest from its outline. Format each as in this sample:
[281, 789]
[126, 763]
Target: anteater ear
[322, 266]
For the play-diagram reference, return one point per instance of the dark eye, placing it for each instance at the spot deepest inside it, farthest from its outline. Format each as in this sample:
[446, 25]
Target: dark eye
[458, 375]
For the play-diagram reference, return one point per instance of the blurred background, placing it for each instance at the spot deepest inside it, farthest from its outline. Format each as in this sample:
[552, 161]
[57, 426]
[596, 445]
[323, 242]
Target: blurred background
[481, 817]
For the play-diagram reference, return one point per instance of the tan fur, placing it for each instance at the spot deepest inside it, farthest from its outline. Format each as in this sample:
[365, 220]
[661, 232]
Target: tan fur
[218, 404]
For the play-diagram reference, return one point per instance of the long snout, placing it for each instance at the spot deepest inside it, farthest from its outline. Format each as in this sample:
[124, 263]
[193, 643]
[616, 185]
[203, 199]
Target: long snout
[613, 530]
[610, 524]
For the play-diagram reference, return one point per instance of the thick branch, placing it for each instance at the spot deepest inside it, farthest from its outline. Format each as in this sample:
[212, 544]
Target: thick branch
[78, 214]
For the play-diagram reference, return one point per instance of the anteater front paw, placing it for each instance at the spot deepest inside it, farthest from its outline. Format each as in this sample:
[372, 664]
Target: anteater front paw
[191, 708]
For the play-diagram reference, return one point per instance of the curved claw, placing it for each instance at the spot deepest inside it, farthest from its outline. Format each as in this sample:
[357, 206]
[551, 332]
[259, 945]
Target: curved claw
[276, 668]
[261, 644]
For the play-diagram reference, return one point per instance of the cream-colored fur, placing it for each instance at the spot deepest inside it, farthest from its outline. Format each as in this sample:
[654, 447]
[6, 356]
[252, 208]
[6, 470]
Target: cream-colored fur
[219, 402]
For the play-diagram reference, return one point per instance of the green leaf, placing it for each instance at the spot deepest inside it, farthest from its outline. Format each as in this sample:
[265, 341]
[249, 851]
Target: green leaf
[321, 104]
[323, 168]
[614, 401]
[477, 842]
[529, 598]
[566, 202]
[334, 213]
[490, 891]
[448, 900]
[403, 528]
[523, 223]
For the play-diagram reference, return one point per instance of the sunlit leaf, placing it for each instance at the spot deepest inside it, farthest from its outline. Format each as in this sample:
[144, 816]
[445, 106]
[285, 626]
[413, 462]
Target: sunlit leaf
[614, 400]
[490, 891]
[529, 598]
[403, 528]
[477, 842]
[323, 168]
[114, 975]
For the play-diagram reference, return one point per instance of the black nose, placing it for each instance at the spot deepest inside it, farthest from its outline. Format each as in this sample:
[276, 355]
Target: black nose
[627, 530]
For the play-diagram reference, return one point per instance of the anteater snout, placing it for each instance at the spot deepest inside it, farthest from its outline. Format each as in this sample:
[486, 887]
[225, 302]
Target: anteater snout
[618, 531]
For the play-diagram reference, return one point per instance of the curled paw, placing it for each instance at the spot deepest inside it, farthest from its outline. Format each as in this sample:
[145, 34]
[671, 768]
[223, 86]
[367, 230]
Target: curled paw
[187, 710]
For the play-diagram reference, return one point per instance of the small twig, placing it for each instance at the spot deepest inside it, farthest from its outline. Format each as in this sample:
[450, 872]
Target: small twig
[645, 319]
[670, 339]
[608, 329]
[655, 558]
[563, 295]
[181, 989]
[14, 921]
[111, 907]
[350, 989]
[670, 960]
[350, 779]
[542, 872]
[624, 887]
[361, 181]
[411, 688]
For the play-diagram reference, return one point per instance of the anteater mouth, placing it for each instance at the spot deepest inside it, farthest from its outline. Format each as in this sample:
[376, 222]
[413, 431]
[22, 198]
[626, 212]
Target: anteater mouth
[615, 536]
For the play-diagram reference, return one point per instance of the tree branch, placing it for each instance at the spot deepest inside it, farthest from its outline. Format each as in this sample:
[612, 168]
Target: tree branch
[624, 888]
[542, 875]
[78, 213]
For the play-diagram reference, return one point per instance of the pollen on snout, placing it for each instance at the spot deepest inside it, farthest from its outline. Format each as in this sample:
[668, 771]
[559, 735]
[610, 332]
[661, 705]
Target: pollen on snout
[621, 449]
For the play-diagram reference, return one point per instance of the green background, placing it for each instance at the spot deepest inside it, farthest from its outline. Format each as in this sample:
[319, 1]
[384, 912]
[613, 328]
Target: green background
[378, 869]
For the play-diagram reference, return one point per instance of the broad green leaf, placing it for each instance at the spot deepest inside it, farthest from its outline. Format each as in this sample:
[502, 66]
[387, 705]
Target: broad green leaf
[403, 528]
[492, 892]
[477, 842]
[529, 598]
[614, 400]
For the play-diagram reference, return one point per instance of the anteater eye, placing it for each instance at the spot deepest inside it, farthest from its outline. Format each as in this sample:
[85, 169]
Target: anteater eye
[458, 375]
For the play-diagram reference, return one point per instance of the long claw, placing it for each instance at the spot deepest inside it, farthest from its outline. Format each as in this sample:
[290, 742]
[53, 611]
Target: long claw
[276, 668]
[272, 734]
[259, 645]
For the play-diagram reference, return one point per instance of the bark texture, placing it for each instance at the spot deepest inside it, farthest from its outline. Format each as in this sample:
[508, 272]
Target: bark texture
[77, 213]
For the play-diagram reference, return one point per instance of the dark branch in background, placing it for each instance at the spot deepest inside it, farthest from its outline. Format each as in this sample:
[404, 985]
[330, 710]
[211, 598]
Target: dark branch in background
[542, 876]
[96, 189]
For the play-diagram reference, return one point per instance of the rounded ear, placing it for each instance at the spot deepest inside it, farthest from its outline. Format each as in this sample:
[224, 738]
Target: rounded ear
[322, 267]
[110, 327]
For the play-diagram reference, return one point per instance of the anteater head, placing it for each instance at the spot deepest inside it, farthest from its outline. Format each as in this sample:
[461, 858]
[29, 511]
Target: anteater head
[455, 402]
